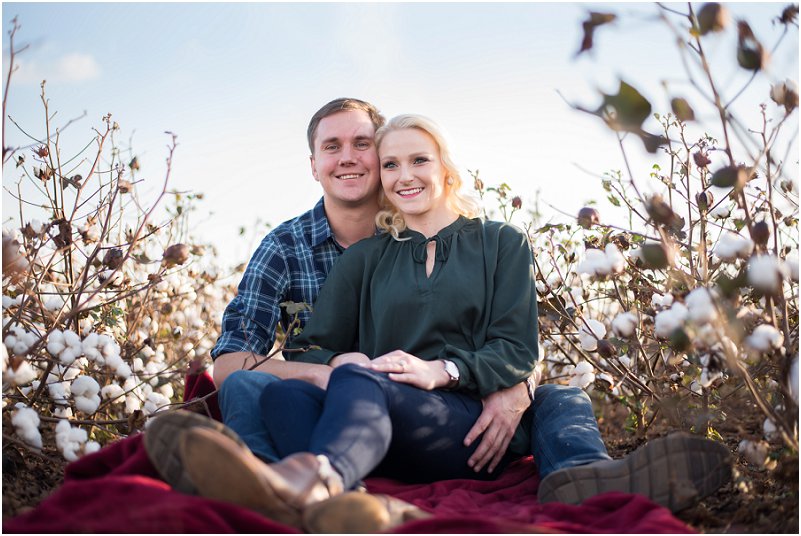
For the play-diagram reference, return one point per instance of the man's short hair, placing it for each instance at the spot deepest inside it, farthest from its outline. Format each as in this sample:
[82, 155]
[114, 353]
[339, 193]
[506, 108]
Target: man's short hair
[339, 105]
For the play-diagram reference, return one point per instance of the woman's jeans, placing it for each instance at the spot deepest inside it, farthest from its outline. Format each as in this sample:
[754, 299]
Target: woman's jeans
[368, 424]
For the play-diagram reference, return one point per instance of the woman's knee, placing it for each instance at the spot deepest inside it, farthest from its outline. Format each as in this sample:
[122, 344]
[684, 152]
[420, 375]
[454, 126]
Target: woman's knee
[353, 372]
[289, 392]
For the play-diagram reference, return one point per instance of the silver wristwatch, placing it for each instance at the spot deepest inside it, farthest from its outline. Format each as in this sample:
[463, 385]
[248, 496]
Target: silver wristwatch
[453, 373]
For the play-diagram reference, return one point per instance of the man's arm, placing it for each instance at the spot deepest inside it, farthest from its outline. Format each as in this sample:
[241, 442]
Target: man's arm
[225, 364]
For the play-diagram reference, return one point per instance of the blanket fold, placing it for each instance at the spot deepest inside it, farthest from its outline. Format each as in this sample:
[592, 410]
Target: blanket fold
[117, 490]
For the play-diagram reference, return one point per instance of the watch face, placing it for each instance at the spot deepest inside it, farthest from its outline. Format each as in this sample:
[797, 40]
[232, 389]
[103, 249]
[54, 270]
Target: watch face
[452, 370]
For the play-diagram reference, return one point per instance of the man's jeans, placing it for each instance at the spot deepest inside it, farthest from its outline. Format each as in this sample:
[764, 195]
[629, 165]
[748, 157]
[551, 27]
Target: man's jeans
[560, 422]
[239, 403]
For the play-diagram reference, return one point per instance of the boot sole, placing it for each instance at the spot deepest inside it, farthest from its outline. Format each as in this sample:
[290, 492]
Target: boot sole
[162, 445]
[673, 471]
[221, 470]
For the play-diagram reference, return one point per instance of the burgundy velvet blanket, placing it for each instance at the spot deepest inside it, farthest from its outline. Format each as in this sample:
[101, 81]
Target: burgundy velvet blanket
[118, 490]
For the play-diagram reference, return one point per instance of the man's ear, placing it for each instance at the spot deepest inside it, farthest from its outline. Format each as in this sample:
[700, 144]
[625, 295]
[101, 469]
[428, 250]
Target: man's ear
[313, 167]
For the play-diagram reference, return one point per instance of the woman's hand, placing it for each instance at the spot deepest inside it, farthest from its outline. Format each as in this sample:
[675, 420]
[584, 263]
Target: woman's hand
[406, 368]
[350, 357]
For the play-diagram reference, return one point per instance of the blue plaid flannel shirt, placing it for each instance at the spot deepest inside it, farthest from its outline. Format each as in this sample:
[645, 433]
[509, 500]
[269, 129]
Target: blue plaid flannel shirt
[290, 264]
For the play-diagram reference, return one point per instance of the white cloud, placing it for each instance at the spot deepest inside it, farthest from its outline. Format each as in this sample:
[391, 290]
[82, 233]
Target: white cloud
[69, 68]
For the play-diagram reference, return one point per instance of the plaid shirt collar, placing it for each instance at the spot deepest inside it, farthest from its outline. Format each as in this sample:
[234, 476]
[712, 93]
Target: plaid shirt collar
[320, 230]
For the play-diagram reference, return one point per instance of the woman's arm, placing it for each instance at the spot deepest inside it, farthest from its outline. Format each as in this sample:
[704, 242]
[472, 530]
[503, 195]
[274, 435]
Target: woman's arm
[510, 350]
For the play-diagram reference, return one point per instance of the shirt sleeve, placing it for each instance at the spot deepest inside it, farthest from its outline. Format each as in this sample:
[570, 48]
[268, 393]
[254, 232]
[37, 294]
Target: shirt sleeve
[333, 328]
[250, 319]
[510, 351]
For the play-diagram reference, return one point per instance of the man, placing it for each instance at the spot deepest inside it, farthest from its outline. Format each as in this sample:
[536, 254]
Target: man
[291, 265]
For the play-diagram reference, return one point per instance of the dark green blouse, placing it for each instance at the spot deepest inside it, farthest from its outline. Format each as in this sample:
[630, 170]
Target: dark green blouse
[478, 308]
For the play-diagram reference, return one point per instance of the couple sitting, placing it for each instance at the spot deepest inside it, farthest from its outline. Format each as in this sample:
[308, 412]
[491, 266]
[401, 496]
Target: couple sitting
[418, 364]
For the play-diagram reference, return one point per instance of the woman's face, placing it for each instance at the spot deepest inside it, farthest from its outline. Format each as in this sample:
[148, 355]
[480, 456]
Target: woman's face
[412, 173]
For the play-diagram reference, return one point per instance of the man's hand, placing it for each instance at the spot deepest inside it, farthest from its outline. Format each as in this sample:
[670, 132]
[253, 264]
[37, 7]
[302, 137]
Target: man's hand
[498, 421]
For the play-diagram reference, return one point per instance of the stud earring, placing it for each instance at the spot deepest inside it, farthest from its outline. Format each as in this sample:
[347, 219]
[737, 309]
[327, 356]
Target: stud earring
[450, 180]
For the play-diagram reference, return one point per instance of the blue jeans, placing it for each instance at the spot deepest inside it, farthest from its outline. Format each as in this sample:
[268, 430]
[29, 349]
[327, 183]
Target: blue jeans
[241, 411]
[369, 424]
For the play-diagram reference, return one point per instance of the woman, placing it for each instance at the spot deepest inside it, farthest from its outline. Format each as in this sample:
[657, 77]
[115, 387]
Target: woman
[420, 322]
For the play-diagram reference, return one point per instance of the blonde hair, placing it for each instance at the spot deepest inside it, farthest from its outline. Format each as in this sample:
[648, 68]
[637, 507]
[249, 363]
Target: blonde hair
[389, 219]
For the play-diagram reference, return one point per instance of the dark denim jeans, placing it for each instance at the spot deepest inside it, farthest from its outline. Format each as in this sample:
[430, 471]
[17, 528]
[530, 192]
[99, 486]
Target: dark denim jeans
[367, 424]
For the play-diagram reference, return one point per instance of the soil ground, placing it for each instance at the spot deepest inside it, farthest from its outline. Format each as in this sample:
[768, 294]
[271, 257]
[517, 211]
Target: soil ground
[757, 501]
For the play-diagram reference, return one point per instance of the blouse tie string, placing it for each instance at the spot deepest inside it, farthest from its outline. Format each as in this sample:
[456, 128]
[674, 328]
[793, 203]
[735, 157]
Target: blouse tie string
[420, 250]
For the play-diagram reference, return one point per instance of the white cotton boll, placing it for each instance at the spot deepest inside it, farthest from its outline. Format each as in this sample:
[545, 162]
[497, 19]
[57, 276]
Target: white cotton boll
[67, 356]
[670, 320]
[582, 381]
[553, 280]
[112, 391]
[589, 337]
[111, 348]
[765, 273]
[63, 412]
[20, 347]
[595, 263]
[62, 429]
[103, 340]
[148, 352]
[657, 300]
[85, 386]
[765, 338]
[169, 392]
[24, 374]
[792, 379]
[71, 338]
[122, 370]
[132, 403]
[700, 306]
[624, 360]
[138, 365]
[624, 325]
[78, 435]
[90, 447]
[616, 259]
[87, 404]
[769, 429]
[755, 452]
[733, 246]
[53, 303]
[8, 301]
[707, 377]
[90, 341]
[26, 422]
[792, 265]
[696, 388]
[85, 394]
[583, 367]
[155, 402]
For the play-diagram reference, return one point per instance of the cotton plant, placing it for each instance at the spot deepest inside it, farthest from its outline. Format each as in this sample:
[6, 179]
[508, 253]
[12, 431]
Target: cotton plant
[26, 423]
[582, 375]
[73, 442]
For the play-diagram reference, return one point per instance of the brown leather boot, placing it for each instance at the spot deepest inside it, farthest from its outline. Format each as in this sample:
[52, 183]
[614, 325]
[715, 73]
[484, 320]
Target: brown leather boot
[223, 470]
[359, 513]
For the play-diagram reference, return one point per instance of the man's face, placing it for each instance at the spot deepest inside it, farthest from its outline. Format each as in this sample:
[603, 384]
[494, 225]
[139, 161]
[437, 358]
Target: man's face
[345, 160]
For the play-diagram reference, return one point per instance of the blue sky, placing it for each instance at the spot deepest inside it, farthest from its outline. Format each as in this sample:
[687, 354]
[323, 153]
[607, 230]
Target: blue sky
[238, 83]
